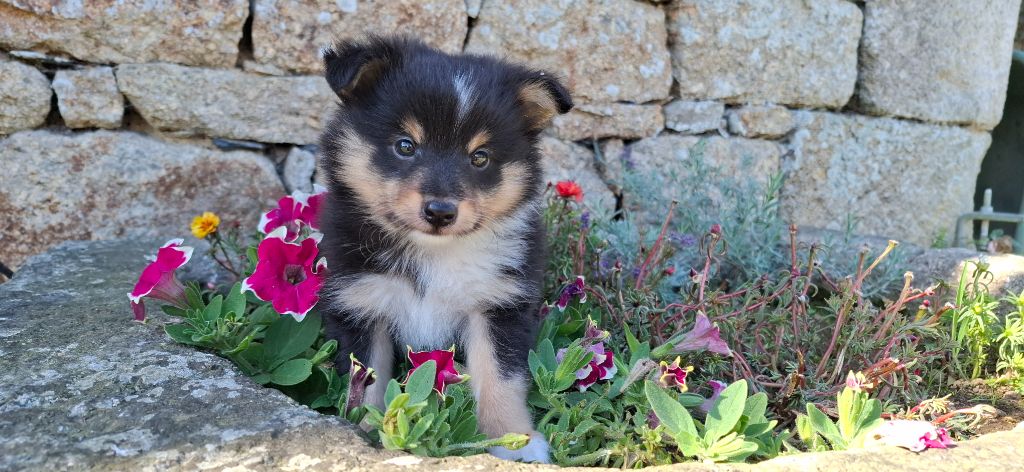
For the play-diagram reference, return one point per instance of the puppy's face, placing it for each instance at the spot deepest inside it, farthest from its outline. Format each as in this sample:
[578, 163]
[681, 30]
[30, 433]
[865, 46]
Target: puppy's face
[433, 144]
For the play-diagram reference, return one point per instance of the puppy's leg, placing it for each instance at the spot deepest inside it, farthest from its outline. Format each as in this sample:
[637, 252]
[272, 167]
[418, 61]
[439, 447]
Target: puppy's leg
[371, 343]
[497, 345]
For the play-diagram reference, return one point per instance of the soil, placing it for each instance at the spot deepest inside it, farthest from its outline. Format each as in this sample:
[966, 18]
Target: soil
[1005, 398]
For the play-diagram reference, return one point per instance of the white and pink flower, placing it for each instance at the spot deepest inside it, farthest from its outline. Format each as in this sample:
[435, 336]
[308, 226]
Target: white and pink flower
[600, 367]
[158, 280]
[295, 211]
[288, 274]
[910, 434]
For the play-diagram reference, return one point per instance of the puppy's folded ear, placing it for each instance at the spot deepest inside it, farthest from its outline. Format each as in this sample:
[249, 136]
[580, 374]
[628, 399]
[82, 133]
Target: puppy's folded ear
[353, 68]
[542, 97]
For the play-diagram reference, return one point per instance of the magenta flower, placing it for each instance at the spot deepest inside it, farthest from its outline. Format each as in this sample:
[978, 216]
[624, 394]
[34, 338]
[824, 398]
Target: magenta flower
[716, 391]
[576, 289]
[910, 434]
[600, 367]
[593, 334]
[288, 275]
[158, 281]
[673, 375]
[703, 336]
[858, 382]
[444, 359]
[293, 212]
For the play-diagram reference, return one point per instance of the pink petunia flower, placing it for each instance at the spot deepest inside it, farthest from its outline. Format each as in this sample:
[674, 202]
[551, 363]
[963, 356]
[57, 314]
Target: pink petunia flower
[716, 391]
[158, 280]
[576, 289]
[673, 375]
[295, 211]
[704, 336]
[910, 434]
[287, 274]
[600, 367]
[444, 359]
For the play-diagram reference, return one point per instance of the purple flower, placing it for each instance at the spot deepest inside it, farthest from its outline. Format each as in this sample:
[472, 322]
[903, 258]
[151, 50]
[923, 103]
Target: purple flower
[703, 336]
[682, 240]
[858, 382]
[716, 391]
[585, 219]
[576, 289]
[360, 377]
[600, 367]
[593, 334]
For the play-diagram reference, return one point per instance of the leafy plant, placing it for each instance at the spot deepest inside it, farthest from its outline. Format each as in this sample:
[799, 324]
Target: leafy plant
[858, 415]
[419, 420]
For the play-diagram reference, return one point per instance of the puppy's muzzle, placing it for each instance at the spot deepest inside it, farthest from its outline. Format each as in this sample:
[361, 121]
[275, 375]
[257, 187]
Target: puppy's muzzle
[440, 213]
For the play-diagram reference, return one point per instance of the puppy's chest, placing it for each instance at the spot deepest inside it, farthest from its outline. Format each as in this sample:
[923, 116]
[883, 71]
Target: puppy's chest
[426, 303]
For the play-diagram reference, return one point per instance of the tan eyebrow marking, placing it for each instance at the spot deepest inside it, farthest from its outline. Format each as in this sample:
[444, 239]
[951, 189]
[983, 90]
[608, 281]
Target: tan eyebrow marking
[414, 129]
[477, 141]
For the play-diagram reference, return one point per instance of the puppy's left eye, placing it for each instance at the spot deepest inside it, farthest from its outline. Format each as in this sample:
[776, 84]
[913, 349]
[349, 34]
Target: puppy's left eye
[480, 159]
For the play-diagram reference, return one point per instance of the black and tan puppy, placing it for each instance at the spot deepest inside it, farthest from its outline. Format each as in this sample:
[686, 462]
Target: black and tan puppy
[433, 229]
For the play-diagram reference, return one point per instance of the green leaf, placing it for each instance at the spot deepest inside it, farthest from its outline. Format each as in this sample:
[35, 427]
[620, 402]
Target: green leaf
[727, 411]
[465, 431]
[691, 400]
[546, 351]
[287, 338]
[392, 391]
[194, 298]
[235, 303]
[212, 311]
[824, 426]
[173, 311]
[264, 315]
[421, 382]
[671, 414]
[756, 405]
[324, 352]
[421, 427]
[292, 372]
[181, 332]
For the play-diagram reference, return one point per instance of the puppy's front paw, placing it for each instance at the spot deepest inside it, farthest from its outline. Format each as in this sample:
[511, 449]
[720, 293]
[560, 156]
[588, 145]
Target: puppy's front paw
[537, 450]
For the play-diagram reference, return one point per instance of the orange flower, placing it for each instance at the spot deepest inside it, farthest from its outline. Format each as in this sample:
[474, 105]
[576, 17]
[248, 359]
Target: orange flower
[205, 224]
[569, 189]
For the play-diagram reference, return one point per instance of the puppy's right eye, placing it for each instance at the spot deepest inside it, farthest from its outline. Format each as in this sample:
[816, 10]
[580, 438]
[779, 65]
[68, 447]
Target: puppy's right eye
[405, 147]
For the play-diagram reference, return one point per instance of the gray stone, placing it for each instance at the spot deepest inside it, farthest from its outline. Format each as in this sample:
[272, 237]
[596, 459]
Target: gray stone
[204, 32]
[760, 121]
[104, 184]
[299, 167]
[792, 52]
[187, 101]
[473, 7]
[945, 61]
[568, 161]
[24, 97]
[88, 98]
[893, 178]
[607, 51]
[665, 163]
[290, 35]
[613, 119]
[113, 394]
[690, 117]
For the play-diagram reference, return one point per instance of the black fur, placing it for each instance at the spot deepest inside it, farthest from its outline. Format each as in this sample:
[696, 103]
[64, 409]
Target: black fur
[381, 81]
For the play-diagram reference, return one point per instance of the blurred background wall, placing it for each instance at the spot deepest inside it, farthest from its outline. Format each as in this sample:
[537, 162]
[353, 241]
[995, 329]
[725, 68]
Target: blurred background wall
[128, 117]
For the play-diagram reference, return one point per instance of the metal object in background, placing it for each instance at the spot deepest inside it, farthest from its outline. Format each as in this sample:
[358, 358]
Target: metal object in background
[986, 215]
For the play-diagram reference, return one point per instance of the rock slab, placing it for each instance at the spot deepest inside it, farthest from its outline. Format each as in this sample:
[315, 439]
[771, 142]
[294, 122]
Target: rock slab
[88, 98]
[607, 51]
[945, 61]
[203, 32]
[289, 35]
[620, 120]
[24, 97]
[760, 121]
[187, 101]
[791, 52]
[690, 117]
[104, 184]
[890, 177]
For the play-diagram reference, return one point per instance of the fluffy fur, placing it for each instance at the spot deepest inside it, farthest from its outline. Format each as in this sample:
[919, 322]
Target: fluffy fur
[414, 127]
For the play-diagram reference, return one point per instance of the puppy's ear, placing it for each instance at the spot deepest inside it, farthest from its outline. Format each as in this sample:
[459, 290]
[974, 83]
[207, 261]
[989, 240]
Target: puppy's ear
[353, 68]
[542, 97]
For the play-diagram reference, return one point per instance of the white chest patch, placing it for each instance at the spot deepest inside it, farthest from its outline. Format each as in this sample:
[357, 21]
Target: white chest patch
[457, 278]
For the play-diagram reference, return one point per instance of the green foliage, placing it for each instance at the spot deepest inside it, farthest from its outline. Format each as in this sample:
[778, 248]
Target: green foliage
[858, 415]
[419, 420]
[984, 341]
[735, 428]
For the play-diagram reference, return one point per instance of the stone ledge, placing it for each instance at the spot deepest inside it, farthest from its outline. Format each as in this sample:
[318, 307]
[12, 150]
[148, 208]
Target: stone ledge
[85, 388]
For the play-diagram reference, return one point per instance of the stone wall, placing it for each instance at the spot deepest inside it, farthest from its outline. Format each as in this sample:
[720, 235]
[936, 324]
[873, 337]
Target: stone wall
[125, 118]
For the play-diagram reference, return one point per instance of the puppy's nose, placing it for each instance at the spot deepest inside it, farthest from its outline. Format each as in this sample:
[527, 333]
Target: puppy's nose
[440, 213]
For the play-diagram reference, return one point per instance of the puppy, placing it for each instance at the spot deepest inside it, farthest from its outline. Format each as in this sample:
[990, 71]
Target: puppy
[432, 228]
